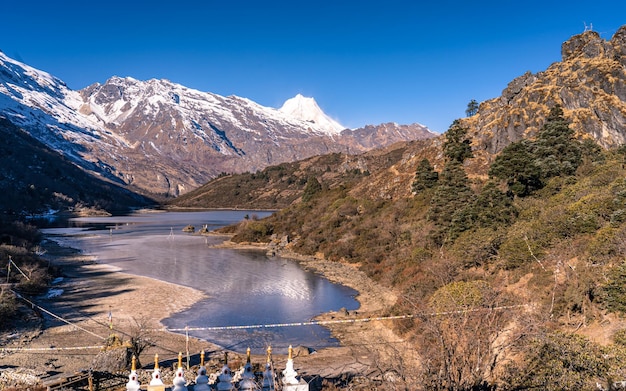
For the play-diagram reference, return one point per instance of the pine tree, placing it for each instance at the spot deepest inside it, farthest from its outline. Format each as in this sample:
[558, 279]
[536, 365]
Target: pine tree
[425, 177]
[457, 146]
[556, 151]
[526, 165]
[452, 195]
[493, 208]
[472, 108]
[516, 165]
[311, 188]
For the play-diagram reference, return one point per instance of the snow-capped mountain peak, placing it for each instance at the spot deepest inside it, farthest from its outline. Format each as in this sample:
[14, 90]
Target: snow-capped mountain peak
[44, 105]
[306, 109]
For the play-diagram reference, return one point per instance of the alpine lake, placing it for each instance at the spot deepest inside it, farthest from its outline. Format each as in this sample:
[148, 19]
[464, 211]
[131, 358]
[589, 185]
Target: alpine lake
[253, 300]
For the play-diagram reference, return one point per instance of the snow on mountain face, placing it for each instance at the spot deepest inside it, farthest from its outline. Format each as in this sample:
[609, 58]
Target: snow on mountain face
[307, 109]
[22, 76]
[44, 105]
[165, 138]
[121, 98]
[170, 119]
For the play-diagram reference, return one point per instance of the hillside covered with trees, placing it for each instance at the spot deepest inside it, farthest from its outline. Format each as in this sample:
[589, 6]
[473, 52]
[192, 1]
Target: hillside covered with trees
[526, 261]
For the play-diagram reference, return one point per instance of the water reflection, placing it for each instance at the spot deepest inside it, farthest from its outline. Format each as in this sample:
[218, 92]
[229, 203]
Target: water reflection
[244, 287]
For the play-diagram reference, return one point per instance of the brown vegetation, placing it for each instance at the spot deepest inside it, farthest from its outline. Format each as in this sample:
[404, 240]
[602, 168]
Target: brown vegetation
[501, 285]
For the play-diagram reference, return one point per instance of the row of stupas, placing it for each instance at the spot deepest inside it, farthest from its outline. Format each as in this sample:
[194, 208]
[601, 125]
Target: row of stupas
[246, 380]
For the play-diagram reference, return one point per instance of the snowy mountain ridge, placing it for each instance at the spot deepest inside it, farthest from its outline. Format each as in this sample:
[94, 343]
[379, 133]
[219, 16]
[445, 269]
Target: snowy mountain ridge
[164, 138]
[113, 107]
[43, 105]
[24, 87]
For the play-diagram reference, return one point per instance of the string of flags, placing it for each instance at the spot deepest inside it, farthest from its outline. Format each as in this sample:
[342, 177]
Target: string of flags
[337, 321]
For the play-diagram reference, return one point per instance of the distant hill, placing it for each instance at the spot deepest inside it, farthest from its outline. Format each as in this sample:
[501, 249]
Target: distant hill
[279, 186]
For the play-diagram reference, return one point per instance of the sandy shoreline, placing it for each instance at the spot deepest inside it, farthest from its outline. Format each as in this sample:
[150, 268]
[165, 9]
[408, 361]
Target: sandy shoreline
[92, 290]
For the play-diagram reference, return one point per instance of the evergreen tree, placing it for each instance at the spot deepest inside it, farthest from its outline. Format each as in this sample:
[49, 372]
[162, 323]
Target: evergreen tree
[457, 145]
[556, 151]
[493, 208]
[472, 108]
[592, 152]
[517, 166]
[425, 177]
[312, 187]
[490, 209]
[526, 165]
[452, 195]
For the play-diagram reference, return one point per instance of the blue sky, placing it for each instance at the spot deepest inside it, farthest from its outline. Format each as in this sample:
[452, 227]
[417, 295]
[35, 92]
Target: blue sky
[365, 62]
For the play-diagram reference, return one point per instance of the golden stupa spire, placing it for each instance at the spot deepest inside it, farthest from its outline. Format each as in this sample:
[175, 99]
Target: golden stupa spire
[248, 356]
[180, 360]
[133, 364]
[290, 353]
[202, 358]
[269, 354]
[156, 361]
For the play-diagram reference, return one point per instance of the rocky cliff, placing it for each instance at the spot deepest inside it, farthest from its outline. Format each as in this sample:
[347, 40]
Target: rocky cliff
[589, 83]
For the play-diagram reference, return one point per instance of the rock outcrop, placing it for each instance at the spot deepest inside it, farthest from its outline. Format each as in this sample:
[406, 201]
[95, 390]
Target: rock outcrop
[589, 83]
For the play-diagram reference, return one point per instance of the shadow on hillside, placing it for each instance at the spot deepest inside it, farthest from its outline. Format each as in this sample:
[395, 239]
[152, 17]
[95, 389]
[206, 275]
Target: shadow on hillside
[35, 175]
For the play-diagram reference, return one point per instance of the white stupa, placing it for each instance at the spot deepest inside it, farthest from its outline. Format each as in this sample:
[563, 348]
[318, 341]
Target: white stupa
[156, 383]
[291, 381]
[202, 380]
[268, 374]
[248, 382]
[225, 378]
[133, 383]
[179, 376]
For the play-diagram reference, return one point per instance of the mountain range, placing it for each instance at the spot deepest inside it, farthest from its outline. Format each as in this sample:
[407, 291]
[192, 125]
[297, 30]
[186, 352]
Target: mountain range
[159, 138]
[589, 83]
[163, 139]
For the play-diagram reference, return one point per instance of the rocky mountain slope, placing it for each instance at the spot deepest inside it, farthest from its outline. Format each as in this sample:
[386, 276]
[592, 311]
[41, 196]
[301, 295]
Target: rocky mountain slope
[507, 292]
[166, 139]
[279, 186]
[589, 83]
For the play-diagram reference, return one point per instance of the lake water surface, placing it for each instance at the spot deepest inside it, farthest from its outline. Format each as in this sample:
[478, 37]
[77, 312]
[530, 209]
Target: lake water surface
[244, 287]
